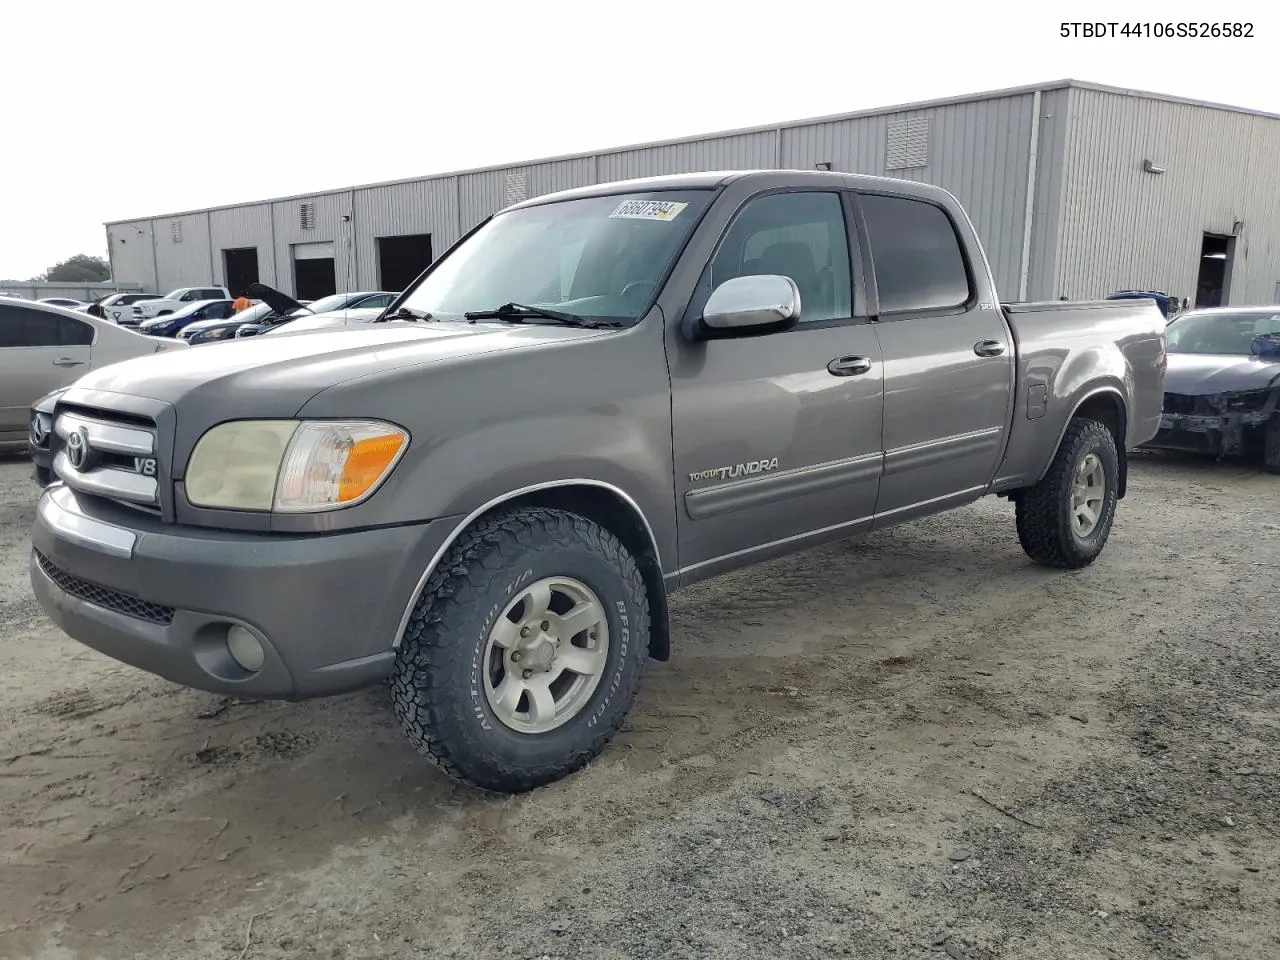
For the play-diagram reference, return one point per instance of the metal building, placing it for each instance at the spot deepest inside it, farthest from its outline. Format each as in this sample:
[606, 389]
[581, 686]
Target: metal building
[1077, 190]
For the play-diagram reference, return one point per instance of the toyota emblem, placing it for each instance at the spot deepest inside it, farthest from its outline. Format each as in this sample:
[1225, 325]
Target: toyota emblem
[78, 448]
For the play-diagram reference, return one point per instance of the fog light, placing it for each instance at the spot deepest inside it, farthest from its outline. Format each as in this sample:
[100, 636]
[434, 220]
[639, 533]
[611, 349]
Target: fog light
[245, 649]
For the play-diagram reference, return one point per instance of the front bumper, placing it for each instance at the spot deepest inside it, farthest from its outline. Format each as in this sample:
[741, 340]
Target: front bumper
[325, 608]
[1223, 435]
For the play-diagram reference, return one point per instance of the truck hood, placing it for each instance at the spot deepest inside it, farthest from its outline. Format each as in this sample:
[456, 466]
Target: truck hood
[1197, 375]
[277, 375]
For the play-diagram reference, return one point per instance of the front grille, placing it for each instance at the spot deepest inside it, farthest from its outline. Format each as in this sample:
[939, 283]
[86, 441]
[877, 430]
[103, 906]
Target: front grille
[117, 456]
[106, 597]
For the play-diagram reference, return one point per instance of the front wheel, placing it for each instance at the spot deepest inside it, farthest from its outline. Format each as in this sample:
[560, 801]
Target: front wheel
[524, 652]
[1065, 519]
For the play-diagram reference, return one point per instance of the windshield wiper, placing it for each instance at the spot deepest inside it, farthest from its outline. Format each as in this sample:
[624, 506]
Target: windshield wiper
[406, 313]
[519, 313]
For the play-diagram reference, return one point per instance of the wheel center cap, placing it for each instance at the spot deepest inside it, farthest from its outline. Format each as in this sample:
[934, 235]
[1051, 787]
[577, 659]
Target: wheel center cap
[539, 654]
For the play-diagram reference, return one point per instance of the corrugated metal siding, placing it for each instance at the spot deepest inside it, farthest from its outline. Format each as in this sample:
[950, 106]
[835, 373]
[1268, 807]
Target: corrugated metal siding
[329, 226]
[240, 227]
[978, 151]
[751, 151]
[1124, 227]
[479, 195]
[185, 262]
[1050, 195]
[425, 206]
[132, 256]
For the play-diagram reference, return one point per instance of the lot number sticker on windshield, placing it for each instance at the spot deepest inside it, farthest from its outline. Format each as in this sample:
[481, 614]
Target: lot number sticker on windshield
[647, 210]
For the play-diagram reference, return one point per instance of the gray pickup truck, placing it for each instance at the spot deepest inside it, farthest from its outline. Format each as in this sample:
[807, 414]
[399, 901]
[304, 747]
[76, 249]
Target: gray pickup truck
[593, 398]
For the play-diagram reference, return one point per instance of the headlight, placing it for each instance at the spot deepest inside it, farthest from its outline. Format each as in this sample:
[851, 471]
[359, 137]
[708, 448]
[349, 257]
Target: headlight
[292, 466]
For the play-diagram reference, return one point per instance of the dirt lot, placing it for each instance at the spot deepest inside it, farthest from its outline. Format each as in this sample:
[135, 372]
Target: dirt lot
[912, 745]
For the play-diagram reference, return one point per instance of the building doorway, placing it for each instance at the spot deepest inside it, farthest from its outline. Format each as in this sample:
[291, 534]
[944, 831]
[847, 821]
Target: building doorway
[239, 269]
[401, 259]
[1213, 283]
[314, 275]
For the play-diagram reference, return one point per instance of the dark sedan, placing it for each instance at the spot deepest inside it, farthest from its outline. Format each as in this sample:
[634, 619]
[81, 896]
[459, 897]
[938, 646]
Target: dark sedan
[169, 324]
[1222, 386]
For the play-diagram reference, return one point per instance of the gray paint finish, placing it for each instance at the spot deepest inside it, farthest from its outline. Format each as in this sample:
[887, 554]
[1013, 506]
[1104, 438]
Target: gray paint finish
[935, 417]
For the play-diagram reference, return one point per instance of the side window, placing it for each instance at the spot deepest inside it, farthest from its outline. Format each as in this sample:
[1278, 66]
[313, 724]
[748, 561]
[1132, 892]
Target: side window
[20, 327]
[74, 333]
[797, 235]
[918, 261]
[372, 302]
[190, 296]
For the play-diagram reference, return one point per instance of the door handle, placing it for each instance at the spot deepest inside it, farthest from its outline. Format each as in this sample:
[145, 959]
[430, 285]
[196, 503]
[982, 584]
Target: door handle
[67, 362]
[848, 366]
[988, 348]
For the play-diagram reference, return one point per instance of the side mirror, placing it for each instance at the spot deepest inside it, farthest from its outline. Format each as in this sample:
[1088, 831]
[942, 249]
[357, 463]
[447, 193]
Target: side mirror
[750, 306]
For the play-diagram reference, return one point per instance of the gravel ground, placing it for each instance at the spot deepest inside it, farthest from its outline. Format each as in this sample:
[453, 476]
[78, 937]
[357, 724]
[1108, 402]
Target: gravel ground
[916, 744]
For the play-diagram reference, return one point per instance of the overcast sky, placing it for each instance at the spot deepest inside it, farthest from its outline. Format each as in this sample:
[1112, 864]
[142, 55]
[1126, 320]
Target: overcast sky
[123, 108]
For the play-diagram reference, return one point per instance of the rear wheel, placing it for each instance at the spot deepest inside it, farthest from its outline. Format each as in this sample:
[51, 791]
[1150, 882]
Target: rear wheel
[1065, 519]
[524, 651]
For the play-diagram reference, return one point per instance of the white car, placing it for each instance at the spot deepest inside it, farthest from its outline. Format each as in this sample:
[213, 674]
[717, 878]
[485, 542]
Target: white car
[171, 302]
[66, 302]
[43, 347]
[117, 306]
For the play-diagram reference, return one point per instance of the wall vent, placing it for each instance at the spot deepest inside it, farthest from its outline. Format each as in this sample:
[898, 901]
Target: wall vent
[307, 215]
[515, 187]
[907, 144]
[175, 230]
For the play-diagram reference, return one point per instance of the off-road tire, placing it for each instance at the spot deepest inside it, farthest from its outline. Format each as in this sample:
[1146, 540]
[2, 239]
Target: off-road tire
[435, 692]
[1044, 511]
[1271, 445]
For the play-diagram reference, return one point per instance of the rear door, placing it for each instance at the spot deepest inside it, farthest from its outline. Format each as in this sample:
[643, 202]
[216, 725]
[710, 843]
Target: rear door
[777, 438]
[39, 352]
[948, 358]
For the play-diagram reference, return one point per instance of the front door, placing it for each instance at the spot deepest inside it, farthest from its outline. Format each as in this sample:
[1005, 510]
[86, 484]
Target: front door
[948, 360]
[777, 438]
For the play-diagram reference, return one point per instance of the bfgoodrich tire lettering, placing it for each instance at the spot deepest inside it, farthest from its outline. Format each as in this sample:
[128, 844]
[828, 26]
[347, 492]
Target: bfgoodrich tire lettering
[438, 684]
[1047, 513]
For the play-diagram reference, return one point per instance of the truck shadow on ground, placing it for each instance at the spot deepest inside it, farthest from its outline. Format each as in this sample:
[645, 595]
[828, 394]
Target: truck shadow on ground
[166, 794]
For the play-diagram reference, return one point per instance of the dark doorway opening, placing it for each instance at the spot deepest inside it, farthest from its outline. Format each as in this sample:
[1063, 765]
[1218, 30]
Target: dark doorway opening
[314, 275]
[240, 268]
[1213, 283]
[401, 259]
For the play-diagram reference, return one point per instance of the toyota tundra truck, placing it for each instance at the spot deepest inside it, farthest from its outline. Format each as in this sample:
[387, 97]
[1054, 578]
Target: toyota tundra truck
[594, 398]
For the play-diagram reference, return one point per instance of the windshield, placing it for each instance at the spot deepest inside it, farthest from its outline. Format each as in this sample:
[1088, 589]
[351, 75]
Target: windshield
[595, 257]
[1230, 334]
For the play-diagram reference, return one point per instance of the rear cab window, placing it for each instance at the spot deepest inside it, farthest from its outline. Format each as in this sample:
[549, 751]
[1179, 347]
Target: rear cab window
[919, 262]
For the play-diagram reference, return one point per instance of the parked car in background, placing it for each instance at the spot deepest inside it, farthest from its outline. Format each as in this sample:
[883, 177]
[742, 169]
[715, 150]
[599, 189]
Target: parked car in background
[173, 301]
[65, 302]
[168, 324]
[1169, 305]
[39, 431]
[116, 306]
[1222, 388]
[43, 347]
[223, 328]
[327, 306]
[489, 509]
